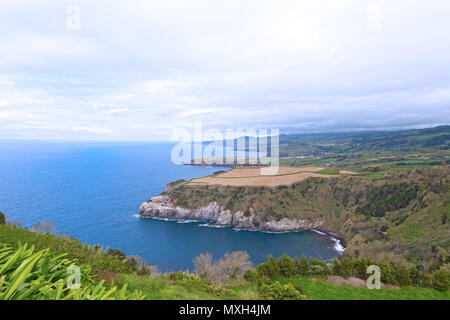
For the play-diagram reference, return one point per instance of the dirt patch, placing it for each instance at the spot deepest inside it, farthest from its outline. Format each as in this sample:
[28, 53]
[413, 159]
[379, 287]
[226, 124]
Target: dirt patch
[253, 177]
[354, 282]
[347, 172]
[254, 172]
[271, 181]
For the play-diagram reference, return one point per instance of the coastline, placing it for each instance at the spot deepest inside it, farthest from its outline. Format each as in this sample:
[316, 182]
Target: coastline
[161, 208]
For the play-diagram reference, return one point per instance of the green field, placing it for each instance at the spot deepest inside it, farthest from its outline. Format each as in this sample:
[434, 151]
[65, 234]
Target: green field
[321, 290]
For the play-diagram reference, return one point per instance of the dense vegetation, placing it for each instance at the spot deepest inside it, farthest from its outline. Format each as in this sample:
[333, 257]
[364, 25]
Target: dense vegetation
[387, 198]
[399, 274]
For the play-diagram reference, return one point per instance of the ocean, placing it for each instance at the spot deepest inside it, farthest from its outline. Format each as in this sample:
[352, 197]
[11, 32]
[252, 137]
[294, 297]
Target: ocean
[92, 191]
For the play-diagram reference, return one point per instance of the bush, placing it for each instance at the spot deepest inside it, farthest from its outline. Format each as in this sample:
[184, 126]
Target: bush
[318, 267]
[346, 266]
[401, 275]
[387, 272]
[441, 280]
[276, 291]
[359, 268]
[177, 276]
[262, 270]
[117, 253]
[416, 277]
[251, 275]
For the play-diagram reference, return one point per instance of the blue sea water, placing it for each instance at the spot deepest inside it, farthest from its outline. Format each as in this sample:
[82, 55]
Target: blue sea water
[93, 190]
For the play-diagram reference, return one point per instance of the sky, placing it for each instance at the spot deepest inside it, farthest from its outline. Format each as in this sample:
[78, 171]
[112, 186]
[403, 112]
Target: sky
[138, 70]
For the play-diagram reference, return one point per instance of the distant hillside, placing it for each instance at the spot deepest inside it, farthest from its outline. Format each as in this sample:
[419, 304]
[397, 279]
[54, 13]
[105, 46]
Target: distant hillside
[437, 138]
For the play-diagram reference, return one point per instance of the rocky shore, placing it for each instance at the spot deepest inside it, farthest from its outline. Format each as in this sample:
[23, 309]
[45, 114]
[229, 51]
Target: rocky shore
[161, 207]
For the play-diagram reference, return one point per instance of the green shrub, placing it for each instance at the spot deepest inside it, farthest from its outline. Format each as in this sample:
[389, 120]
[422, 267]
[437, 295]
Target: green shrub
[276, 291]
[251, 275]
[177, 276]
[441, 280]
[117, 253]
[387, 272]
[401, 275]
[318, 267]
[359, 268]
[416, 277]
[346, 266]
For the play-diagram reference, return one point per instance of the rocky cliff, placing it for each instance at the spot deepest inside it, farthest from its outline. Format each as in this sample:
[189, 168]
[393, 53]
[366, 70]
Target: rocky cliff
[162, 207]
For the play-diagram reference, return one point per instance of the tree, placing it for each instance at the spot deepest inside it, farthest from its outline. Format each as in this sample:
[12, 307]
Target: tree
[37, 227]
[345, 267]
[2, 218]
[234, 265]
[273, 271]
[229, 268]
[303, 265]
[286, 265]
[45, 228]
[48, 227]
[203, 265]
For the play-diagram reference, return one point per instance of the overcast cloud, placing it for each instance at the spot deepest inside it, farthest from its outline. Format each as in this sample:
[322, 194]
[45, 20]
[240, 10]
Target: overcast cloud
[136, 70]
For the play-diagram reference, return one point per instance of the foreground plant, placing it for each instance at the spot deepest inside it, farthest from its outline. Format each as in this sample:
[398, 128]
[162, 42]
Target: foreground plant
[42, 275]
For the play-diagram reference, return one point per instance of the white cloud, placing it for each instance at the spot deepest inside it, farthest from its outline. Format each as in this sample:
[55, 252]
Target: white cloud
[114, 111]
[142, 68]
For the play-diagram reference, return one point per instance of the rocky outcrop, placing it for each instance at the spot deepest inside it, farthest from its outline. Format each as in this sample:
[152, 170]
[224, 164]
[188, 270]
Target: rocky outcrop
[161, 207]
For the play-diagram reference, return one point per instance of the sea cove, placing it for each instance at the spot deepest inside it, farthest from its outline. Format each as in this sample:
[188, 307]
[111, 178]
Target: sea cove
[92, 191]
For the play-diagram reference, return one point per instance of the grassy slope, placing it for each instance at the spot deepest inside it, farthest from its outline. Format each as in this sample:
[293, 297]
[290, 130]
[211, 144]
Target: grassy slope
[159, 288]
[320, 290]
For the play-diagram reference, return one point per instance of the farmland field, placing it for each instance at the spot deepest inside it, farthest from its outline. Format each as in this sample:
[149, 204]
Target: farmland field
[253, 176]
